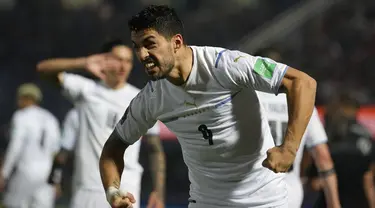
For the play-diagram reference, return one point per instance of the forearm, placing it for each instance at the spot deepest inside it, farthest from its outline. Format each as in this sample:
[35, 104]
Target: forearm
[111, 162]
[109, 173]
[370, 195]
[157, 160]
[301, 100]
[110, 170]
[368, 185]
[330, 190]
[325, 166]
[54, 66]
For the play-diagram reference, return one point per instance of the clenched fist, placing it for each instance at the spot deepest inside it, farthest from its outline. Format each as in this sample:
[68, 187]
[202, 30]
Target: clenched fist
[120, 199]
[279, 159]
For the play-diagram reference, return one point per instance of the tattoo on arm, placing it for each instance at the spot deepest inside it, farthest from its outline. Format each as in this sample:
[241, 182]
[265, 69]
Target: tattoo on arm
[116, 183]
[157, 162]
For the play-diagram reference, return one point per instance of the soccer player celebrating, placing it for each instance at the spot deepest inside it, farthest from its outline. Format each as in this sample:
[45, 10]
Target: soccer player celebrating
[100, 106]
[34, 139]
[206, 97]
[315, 139]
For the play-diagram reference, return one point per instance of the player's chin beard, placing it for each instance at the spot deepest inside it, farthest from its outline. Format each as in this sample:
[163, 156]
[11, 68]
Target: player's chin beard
[161, 74]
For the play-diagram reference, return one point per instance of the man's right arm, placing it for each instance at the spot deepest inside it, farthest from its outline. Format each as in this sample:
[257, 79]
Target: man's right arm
[51, 69]
[95, 64]
[112, 161]
[136, 121]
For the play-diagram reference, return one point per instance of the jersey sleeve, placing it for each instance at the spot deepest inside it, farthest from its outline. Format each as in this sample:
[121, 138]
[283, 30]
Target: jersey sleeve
[155, 130]
[315, 133]
[74, 86]
[240, 70]
[18, 134]
[70, 130]
[136, 120]
[55, 135]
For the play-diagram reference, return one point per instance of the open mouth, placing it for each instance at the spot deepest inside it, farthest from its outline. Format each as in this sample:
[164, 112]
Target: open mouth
[150, 65]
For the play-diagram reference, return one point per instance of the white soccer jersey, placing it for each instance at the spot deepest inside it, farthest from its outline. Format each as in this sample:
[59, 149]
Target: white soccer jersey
[220, 125]
[277, 113]
[70, 130]
[99, 108]
[34, 138]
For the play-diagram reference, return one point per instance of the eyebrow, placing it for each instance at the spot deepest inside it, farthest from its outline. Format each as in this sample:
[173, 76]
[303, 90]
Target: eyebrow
[145, 39]
[148, 38]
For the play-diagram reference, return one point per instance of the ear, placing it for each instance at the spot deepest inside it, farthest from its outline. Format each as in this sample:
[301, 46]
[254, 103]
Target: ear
[178, 42]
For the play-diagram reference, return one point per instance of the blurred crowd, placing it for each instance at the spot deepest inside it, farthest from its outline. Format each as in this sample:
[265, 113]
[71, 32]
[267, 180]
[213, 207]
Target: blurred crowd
[337, 48]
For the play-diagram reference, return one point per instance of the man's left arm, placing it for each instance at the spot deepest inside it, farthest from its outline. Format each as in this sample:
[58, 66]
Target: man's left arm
[300, 89]
[243, 70]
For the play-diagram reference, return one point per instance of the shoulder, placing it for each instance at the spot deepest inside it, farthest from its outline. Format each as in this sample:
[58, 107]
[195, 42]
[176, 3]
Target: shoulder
[19, 115]
[48, 115]
[72, 114]
[147, 92]
[208, 54]
[131, 90]
[230, 58]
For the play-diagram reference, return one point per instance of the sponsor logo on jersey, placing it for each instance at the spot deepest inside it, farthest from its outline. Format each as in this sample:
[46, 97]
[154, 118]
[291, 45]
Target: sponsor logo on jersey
[264, 68]
[238, 58]
[201, 109]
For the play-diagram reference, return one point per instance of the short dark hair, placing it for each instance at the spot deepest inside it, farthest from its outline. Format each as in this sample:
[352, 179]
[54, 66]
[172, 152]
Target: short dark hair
[162, 19]
[110, 44]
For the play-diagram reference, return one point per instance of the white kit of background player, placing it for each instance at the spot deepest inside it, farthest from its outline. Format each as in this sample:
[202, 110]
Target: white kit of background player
[315, 139]
[34, 139]
[99, 105]
[98, 108]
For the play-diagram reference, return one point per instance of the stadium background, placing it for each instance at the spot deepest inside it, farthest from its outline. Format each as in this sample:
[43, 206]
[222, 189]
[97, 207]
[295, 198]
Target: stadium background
[332, 40]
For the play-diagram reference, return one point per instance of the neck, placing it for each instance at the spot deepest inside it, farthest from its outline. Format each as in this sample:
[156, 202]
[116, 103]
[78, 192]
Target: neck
[184, 64]
[26, 105]
[115, 86]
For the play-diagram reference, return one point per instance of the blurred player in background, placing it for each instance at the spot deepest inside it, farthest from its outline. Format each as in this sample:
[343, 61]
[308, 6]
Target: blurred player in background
[34, 139]
[69, 136]
[100, 106]
[206, 97]
[351, 147]
[315, 140]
